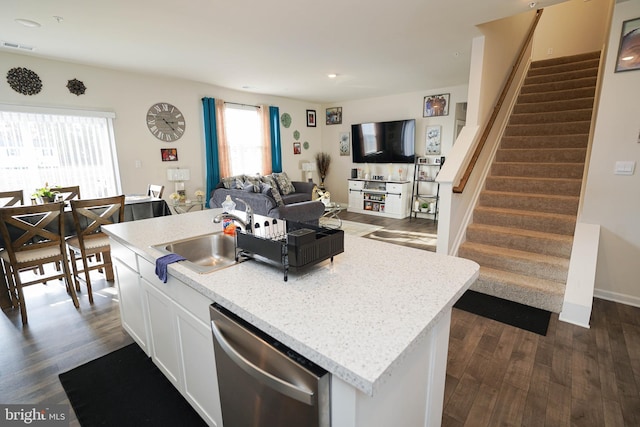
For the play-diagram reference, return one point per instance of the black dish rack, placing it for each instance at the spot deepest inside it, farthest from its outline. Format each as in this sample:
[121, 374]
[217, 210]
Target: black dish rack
[303, 246]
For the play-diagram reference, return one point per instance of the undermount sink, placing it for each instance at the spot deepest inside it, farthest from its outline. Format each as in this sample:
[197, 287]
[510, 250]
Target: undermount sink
[203, 254]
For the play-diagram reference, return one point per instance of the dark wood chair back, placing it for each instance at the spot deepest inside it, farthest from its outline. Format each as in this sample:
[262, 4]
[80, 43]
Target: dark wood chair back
[89, 215]
[69, 193]
[11, 198]
[33, 237]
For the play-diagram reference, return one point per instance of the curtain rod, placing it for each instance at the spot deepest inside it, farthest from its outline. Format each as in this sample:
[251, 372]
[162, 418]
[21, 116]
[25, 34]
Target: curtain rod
[242, 105]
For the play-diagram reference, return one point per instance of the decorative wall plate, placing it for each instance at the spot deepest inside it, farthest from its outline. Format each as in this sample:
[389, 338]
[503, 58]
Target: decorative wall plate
[305, 145]
[285, 119]
[76, 87]
[296, 135]
[24, 81]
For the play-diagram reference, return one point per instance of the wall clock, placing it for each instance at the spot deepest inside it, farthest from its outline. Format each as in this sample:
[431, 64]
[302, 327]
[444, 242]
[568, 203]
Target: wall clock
[165, 122]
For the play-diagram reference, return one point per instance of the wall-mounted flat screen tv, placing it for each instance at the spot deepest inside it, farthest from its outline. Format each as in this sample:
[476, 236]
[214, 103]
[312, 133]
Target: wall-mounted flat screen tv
[384, 142]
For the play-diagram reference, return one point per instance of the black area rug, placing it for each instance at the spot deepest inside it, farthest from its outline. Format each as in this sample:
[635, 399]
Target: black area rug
[512, 313]
[125, 388]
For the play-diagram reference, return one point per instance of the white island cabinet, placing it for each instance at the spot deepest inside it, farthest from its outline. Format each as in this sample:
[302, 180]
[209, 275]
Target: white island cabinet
[383, 339]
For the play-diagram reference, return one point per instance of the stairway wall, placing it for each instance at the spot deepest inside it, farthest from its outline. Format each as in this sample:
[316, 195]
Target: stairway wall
[522, 228]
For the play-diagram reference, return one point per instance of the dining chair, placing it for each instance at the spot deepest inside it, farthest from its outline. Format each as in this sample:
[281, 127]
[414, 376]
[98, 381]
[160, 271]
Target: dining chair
[155, 190]
[33, 237]
[11, 198]
[69, 193]
[89, 215]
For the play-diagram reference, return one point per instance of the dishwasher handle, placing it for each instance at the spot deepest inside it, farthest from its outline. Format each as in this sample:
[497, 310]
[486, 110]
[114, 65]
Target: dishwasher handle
[278, 384]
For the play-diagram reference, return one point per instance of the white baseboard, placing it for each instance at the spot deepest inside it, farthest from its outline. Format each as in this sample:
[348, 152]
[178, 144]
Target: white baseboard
[617, 297]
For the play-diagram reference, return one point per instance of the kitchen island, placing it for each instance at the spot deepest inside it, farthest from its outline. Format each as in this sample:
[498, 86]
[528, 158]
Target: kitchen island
[377, 318]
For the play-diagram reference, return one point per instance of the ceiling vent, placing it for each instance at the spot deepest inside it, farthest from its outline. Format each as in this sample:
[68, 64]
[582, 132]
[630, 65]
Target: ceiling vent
[11, 45]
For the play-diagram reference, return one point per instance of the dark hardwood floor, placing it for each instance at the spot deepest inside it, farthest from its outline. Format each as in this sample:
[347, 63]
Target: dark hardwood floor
[497, 375]
[407, 224]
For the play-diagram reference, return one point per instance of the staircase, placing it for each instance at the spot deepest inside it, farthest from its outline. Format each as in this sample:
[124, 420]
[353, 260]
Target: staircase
[523, 224]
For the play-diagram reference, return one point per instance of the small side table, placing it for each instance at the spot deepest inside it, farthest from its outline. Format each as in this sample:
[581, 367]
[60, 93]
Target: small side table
[187, 206]
[330, 218]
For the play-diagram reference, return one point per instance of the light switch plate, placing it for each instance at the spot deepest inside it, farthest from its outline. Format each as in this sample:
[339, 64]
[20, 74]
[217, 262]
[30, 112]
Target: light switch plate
[625, 168]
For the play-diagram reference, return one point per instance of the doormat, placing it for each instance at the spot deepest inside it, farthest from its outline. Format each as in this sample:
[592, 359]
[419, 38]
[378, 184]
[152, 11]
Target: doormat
[413, 239]
[125, 388]
[521, 316]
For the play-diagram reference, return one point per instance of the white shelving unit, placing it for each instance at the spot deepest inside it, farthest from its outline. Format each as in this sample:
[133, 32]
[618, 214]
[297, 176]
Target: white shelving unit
[377, 197]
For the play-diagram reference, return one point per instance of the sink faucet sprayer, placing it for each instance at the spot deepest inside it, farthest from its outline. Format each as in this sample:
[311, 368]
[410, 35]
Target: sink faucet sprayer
[246, 223]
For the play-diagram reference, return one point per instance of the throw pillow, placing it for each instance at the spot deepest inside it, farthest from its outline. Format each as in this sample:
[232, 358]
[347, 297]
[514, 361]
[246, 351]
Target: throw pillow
[229, 182]
[270, 181]
[248, 187]
[239, 183]
[284, 183]
[255, 181]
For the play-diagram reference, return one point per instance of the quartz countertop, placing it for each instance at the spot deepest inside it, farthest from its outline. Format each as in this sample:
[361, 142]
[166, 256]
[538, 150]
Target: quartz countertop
[357, 317]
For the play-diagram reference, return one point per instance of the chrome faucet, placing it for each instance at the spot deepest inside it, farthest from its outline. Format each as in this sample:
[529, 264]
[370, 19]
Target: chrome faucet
[247, 223]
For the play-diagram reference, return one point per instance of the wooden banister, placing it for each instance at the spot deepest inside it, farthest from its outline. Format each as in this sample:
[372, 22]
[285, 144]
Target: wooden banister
[496, 109]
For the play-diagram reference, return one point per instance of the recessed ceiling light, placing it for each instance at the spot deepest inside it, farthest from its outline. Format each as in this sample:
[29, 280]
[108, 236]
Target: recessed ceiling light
[332, 75]
[27, 23]
[532, 4]
[58, 18]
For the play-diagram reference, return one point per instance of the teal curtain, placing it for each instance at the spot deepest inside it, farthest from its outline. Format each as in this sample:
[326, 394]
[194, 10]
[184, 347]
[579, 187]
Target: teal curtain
[211, 146]
[276, 145]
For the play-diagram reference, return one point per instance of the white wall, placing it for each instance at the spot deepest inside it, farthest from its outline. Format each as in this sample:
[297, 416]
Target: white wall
[130, 95]
[614, 200]
[394, 107]
[554, 37]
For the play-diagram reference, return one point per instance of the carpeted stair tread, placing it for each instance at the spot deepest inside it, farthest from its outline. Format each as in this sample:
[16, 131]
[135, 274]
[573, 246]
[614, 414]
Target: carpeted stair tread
[516, 261]
[527, 220]
[545, 141]
[559, 86]
[561, 75]
[570, 59]
[566, 205]
[548, 128]
[556, 105]
[580, 115]
[541, 170]
[558, 95]
[531, 291]
[548, 155]
[525, 240]
[560, 186]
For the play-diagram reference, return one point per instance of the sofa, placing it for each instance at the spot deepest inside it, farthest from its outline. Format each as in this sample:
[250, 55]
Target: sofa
[275, 196]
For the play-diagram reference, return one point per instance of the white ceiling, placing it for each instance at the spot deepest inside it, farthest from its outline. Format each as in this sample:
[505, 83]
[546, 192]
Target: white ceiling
[277, 47]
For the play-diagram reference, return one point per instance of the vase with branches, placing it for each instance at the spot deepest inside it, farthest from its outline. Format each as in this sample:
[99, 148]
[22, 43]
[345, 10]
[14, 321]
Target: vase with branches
[323, 160]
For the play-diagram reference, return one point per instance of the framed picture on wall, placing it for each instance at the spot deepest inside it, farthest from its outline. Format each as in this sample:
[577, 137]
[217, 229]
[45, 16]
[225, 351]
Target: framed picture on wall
[628, 58]
[345, 147]
[169, 154]
[297, 148]
[311, 118]
[334, 116]
[436, 105]
[433, 138]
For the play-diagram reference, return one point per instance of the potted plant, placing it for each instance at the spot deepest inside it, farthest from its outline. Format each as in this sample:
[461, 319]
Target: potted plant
[45, 194]
[424, 207]
[323, 160]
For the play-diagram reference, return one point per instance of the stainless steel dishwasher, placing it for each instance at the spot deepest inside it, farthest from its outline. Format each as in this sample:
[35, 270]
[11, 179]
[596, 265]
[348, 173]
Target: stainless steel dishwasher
[263, 383]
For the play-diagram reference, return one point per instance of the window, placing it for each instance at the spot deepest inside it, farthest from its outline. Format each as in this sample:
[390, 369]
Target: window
[245, 140]
[38, 148]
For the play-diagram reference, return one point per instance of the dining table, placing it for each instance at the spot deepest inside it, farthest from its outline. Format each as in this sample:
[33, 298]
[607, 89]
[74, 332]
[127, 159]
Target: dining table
[135, 208]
